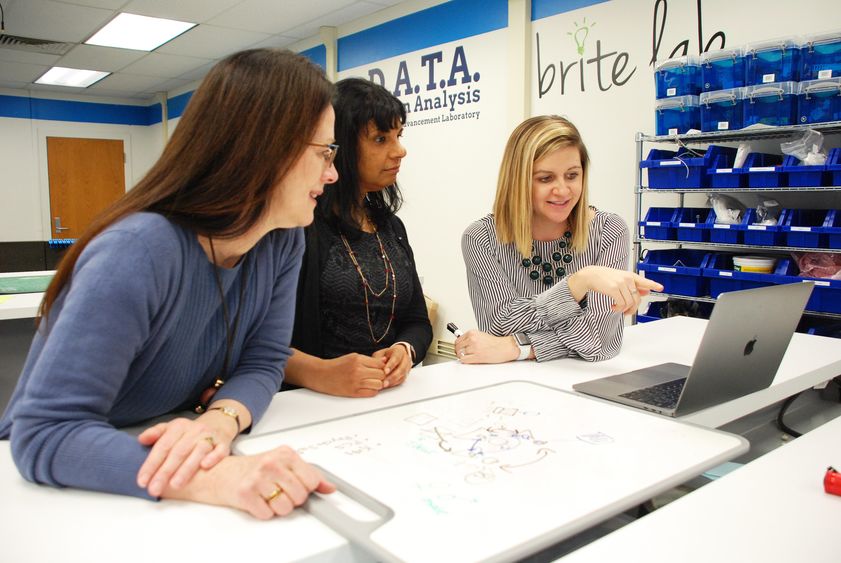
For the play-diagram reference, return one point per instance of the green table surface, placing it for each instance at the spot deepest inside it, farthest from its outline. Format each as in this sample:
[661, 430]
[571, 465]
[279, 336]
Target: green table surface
[25, 284]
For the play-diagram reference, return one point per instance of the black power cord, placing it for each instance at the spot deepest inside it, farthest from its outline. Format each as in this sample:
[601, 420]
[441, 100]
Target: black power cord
[782, 425]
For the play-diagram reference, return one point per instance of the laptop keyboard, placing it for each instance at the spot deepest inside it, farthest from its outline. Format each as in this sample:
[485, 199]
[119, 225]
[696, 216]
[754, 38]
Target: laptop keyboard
[663, 395]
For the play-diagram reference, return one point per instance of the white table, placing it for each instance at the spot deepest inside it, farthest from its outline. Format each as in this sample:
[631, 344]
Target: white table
[21, 305]
[45, 524]
[772, 509]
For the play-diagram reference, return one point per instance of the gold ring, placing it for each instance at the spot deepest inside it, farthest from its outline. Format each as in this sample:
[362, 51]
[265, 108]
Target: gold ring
[210, 440]
[278, 490]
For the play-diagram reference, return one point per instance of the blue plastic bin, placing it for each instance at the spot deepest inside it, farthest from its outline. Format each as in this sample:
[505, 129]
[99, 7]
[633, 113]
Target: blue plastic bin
[722, 174]
[658, 224]
[723, 69]
[722, 110]
[819, 100]
[833, 167]
[680, 76]
[693, 224]
[723, 278]
[723, 232]
[678, 269]
[832, 228]
[821, 56]
[772, 61]
[801, 175]
[764, 170]
[771, 104]
[804, 227]
[761, 235]
[675, 116]
[826, 296]
[684, 168]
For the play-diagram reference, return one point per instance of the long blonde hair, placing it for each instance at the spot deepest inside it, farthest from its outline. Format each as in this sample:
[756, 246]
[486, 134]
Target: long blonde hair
[533, 139]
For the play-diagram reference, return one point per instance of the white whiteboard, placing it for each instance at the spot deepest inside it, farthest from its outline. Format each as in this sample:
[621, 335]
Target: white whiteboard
[499, 472]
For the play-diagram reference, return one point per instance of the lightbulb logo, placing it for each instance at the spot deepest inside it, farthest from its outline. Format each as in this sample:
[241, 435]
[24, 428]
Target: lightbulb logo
[580, 34]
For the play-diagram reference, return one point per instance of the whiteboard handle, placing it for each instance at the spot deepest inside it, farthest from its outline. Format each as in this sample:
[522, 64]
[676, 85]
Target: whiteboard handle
[357, 532]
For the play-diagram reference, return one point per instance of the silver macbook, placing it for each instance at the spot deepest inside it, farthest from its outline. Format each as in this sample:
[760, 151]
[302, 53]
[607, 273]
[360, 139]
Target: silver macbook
[742, 347]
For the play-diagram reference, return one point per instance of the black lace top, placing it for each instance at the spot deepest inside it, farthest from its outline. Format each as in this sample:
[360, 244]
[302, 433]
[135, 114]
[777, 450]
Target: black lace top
[345, 325]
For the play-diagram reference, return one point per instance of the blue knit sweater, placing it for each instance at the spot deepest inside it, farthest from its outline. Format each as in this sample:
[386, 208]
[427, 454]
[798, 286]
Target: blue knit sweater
[138, 333]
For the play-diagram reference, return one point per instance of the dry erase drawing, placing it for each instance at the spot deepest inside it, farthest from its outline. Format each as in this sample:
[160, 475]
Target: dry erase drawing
[351, 444]
[596, 438]
[420, 419]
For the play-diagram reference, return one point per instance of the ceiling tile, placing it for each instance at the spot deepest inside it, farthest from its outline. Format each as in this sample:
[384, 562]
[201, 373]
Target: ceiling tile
[271, 16]
[18, 72]
[197, 73]
[168, 86]
[125, 82]
[275, 42]
[108, 4]
[45, 19]
[165, 65]
[92, 57]
[196, 11]
[16, 56]
[211, 42]
[11, 84]
[334, 18]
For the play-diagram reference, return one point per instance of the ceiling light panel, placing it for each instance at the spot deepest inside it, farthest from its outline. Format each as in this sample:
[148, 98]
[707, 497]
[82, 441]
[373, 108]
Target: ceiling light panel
[141, 33]
[76, 78]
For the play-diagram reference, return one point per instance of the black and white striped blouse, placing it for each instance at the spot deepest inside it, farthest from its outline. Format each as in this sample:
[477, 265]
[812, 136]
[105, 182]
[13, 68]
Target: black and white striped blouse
[506, 300]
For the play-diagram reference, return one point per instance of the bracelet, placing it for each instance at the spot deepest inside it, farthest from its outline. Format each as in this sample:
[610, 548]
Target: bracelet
[409, 348]
[229, 411]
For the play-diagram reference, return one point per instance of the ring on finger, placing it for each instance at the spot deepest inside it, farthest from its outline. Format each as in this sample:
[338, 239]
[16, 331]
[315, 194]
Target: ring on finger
[461, 354]
[278, 490]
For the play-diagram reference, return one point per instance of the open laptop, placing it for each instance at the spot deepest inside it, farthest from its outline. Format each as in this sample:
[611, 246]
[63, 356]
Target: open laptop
[742, 347]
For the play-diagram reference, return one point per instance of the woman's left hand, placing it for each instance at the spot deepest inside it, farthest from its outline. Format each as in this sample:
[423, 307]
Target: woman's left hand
[477, 347]
[397, 365]
[181, 447]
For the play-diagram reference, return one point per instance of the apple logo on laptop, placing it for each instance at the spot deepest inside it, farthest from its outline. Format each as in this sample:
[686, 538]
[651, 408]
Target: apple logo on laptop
[749, 346]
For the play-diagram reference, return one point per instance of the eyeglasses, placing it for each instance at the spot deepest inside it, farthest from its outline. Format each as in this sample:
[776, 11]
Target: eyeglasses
[330, 150]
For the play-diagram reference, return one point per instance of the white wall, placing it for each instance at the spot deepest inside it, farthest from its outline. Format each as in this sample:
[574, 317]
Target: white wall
[24, 188]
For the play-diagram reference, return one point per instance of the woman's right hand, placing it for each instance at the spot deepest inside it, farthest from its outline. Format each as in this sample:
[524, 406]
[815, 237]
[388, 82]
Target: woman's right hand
[264, 485]
[623, 287]
[351, 375]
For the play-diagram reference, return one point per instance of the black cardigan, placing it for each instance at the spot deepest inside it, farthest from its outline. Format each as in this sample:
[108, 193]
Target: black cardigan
[412, 327]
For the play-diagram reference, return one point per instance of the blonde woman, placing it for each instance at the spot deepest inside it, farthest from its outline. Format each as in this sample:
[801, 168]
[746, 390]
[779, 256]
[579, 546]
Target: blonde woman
[547, 272]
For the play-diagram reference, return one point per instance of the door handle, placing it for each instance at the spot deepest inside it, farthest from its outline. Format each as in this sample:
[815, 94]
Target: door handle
[58, 227]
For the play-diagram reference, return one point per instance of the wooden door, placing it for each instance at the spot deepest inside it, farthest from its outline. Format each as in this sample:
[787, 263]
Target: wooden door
[85, 177]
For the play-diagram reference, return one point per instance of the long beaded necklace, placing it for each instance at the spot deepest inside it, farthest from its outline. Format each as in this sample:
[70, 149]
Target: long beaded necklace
[366, 287]
[544, 268]
[230, 330]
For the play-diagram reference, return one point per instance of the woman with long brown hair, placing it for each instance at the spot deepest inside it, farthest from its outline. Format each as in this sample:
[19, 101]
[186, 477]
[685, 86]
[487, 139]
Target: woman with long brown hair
[181, 296]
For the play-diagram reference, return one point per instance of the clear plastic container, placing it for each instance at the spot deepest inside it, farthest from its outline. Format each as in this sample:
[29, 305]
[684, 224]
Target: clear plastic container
[819, 100]
[820, 56]
[722, 69]
[722, 110]
[680, 76]
[674, 116]
[771, 104]
[776, 60]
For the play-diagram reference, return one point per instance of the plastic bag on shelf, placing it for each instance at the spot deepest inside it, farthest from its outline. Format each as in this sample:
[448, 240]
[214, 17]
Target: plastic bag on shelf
[768, 212]
[742, 154]
[728, 210]
[818, 264]
[808, 148]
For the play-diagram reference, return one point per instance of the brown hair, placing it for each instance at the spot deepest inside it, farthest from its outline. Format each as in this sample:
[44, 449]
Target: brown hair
[533, 139]
[243, 129]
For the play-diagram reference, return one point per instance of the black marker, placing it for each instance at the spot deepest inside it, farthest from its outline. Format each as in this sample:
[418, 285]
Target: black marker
[454, 329]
